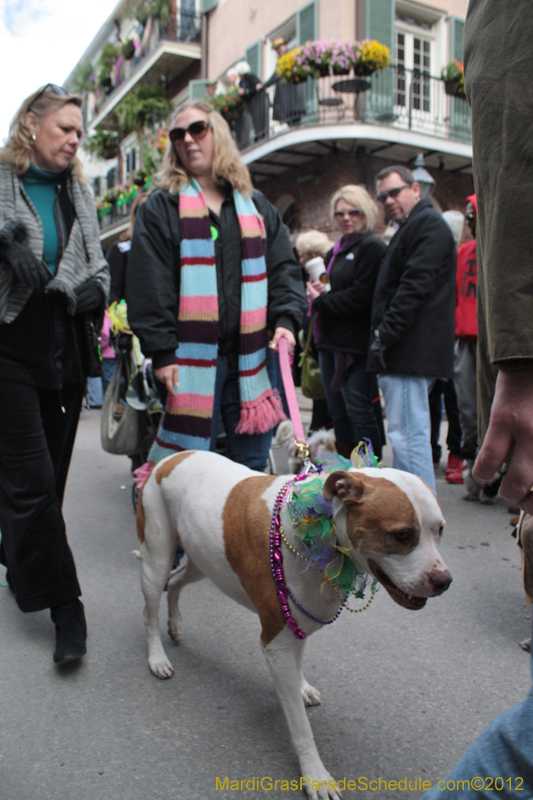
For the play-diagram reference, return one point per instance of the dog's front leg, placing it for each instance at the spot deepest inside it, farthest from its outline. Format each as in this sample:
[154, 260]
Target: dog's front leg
[282, 658]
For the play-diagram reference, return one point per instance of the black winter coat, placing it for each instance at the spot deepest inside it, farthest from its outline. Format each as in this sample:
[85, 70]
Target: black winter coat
[153, 275]
[345, 310]
[414, 301]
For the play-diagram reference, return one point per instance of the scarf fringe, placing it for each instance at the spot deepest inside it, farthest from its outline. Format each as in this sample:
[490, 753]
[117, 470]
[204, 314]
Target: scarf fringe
[263, 416]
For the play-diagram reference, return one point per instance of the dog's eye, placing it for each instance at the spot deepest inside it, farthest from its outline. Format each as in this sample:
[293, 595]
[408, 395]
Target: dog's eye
[402, 535]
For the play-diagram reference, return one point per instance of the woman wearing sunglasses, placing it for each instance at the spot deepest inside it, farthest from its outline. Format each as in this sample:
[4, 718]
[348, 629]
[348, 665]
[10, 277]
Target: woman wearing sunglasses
[53, 283]
[343, 319]
[210, 279]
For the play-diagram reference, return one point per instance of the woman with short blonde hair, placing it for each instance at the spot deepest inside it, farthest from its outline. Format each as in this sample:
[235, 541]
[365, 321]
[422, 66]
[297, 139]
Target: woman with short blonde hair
[313, 243]
[53, 287]
[210, 273]
[344, 318]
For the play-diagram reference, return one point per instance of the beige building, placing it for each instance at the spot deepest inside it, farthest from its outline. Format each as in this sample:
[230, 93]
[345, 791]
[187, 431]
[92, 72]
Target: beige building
[343, 129]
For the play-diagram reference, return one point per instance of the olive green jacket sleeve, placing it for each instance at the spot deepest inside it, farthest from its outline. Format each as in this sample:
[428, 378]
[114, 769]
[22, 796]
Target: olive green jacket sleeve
[499, 84]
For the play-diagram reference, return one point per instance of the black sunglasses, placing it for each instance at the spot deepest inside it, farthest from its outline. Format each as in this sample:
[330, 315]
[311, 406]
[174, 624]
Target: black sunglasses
[198, 130]
[60, 90]
[352, 213]
[392, 193]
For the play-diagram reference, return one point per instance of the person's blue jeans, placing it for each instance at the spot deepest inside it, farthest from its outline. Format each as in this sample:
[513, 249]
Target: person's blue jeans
[504, 751]
[351, 409]
[248, 449]
[95, 392]
[409, 424]
[108, 366]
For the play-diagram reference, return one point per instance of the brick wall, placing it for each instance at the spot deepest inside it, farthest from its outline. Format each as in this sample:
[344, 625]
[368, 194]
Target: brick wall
[314, 183]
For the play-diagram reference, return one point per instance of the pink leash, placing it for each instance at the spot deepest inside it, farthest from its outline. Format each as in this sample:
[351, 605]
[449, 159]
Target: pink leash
[292, 402]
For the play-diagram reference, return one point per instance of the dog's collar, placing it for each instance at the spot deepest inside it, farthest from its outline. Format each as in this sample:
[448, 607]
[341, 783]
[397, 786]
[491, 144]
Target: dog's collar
[310, 516]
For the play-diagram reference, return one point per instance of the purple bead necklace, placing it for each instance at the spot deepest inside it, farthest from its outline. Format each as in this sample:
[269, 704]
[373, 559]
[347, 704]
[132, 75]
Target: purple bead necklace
[276, 563]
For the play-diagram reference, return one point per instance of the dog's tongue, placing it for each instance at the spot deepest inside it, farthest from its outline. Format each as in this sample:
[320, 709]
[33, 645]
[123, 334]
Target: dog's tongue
[403, 599]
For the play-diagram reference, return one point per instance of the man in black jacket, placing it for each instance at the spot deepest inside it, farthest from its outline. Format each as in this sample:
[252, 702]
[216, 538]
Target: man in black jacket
[412, 317]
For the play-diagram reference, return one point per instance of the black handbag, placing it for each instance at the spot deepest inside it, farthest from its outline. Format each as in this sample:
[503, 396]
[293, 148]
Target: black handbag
[311, 382]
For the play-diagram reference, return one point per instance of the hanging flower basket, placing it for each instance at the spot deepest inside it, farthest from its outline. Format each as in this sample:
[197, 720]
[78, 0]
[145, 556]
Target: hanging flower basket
[337, 70]
[228, 104]
[292, 67]
[369, 56]
[454, 79]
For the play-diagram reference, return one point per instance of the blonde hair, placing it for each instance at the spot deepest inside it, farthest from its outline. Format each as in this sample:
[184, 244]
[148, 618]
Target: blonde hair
[227, 164]
[313, 242]
[19, 144]
[358, 197]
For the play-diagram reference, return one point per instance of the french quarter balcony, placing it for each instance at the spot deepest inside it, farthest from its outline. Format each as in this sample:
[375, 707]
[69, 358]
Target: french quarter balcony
[395, 106]
[166, 52]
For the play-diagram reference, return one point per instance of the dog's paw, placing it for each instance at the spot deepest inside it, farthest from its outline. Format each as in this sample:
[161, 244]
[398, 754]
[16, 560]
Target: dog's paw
[321, 786]
[160, 666]
[311, 696]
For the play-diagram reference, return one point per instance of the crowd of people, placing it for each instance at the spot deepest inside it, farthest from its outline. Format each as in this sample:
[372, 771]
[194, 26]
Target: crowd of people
[212, 285]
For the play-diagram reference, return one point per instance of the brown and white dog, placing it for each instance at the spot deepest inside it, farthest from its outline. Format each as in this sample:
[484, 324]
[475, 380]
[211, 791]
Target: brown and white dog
[221, 513]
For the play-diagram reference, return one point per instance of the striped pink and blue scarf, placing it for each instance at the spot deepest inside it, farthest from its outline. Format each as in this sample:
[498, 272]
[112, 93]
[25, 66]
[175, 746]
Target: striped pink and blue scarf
[186, 424]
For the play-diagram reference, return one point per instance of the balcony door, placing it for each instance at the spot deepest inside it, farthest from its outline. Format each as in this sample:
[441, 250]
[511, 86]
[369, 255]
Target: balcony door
[414, 94]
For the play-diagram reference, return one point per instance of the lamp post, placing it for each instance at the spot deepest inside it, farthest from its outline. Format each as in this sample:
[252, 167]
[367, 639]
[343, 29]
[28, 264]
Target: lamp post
[422, 176]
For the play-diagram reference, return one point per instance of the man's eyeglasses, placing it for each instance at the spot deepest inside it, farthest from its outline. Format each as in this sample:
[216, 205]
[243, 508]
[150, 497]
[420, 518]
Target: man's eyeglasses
[352, 213]
[392, 193]
[60, 90]
[198, 130]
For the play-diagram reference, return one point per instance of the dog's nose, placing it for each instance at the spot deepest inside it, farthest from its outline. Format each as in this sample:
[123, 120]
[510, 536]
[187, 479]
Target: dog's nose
[440, 580]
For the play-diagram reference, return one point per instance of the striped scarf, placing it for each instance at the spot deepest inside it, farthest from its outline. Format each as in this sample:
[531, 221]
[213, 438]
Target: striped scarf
[186, 424]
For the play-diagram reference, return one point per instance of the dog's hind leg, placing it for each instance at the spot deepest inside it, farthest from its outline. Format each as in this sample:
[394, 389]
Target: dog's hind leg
[282, 657]
[186, 573]
[311, 696]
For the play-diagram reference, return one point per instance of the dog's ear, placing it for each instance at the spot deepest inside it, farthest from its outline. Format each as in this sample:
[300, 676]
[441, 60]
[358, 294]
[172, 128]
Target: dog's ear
[346, 485]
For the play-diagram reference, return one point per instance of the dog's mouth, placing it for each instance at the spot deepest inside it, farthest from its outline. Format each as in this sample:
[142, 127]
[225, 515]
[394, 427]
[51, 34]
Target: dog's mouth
[402, 598]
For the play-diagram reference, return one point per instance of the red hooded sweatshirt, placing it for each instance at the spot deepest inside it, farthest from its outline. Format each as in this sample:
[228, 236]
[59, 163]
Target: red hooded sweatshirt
[466, 288]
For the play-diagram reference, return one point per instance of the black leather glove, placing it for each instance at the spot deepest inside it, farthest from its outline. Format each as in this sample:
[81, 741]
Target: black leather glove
[376, 356]
[89, 297]
[26, 267]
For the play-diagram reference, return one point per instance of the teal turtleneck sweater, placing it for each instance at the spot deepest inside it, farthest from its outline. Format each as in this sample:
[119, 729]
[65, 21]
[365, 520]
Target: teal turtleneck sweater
[41, 188]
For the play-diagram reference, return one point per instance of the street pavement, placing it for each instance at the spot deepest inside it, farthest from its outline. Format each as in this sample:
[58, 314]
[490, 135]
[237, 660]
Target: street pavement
[403, 693]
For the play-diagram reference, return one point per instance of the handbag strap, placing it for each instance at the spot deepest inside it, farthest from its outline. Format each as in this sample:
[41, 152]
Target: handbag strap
[310, 330]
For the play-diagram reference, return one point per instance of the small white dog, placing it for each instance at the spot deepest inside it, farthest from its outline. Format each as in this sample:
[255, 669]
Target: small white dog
[387, 522]
[319, 442]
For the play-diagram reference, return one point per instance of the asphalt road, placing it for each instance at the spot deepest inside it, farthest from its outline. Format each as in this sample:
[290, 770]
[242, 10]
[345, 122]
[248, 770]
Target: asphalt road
[404, 693]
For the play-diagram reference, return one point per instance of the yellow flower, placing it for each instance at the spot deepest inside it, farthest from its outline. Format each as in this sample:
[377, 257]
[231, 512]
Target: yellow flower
[375, 54]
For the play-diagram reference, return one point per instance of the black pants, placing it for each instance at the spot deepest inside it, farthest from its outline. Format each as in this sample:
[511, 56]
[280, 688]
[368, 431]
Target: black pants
[453, 439]
[36, 442]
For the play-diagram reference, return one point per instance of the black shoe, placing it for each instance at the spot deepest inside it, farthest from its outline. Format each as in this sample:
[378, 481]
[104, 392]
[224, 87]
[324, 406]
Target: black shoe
[71, 631]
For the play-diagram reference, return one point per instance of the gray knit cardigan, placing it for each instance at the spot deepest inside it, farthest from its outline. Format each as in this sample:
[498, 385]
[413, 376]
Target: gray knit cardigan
[82, 258]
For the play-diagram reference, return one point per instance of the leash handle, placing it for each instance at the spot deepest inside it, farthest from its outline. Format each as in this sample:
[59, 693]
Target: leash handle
[290, 393]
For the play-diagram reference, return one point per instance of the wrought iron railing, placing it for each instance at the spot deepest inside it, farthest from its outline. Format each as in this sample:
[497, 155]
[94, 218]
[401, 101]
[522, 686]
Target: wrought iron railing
[396, 97]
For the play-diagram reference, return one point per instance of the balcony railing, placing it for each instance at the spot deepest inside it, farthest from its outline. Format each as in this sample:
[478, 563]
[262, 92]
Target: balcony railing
[185, 29]
[396, 97]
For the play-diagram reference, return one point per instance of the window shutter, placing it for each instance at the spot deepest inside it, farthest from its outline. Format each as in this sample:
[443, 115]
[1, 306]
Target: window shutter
[198, 89]
[379, 25]
[457, 27]
[460, 118]
[207, 5]
[254, 58]
[379, 21]
[307, 23]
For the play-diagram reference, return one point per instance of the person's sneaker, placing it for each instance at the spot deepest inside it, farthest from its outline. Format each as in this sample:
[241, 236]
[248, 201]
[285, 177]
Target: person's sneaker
[71, 631]
[455, 464]
[455, 477]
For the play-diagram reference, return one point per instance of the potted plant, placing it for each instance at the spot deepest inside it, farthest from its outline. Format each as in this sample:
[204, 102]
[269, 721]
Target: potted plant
[454, 79]
[128, 49]
[316, 55]
[340, 58]
[106, 64]
[293, 67]
[369, 56]
[84, 79]
[229, 104]
[103, 144]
